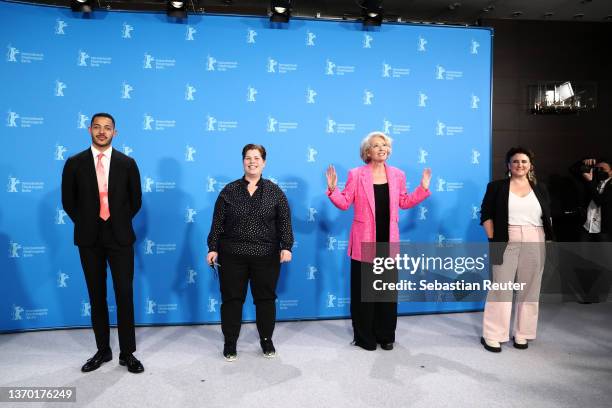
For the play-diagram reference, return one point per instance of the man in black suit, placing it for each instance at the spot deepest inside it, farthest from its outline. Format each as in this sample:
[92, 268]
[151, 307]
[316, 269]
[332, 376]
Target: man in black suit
[101, 194]
[593, 272]
[598, 199]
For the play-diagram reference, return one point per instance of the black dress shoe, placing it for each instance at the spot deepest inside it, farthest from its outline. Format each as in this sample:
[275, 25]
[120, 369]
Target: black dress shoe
[268, 348]
[97, 360]
[229, 351]
[489, 348]
[363, 346]
[386, 346]
[132, 363]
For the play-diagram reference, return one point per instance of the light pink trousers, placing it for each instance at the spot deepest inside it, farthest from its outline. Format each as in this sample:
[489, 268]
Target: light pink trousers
[523, 263]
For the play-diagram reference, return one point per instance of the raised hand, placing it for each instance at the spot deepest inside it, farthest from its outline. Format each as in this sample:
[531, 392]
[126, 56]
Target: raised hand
[589, 175]
[332, 178]
[426, 179]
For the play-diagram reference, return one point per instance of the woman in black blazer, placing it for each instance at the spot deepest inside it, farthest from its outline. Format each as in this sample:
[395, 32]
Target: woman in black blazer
[515, 211]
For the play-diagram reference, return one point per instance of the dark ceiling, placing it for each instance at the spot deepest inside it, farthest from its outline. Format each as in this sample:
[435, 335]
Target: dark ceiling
[434, 11]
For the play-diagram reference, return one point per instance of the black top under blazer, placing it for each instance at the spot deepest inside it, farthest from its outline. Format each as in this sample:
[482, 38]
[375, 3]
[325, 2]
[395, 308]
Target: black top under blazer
[495, 207]
[81, 199]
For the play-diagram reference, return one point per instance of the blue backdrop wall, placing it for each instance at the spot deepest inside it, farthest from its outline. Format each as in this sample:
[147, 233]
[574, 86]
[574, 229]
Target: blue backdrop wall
[187, 97]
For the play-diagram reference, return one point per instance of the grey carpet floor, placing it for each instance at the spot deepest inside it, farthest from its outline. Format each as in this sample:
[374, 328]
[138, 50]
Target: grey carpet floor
[437, 362]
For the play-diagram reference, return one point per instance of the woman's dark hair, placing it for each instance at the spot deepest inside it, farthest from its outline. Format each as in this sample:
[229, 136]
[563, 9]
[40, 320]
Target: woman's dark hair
[251, 146]
[519, 150]
[522, 150]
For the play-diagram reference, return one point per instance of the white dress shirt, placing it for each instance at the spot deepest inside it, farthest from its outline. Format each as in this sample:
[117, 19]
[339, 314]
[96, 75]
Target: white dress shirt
[105, 160]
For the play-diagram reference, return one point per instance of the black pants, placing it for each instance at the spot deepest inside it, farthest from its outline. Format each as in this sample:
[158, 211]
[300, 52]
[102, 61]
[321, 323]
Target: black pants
[594, 278]
[373, 322]
[235, 272]
[121, 260]
[600, 237]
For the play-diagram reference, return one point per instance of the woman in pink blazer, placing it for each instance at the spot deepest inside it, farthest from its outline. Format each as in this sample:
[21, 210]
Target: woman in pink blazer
[377, 192]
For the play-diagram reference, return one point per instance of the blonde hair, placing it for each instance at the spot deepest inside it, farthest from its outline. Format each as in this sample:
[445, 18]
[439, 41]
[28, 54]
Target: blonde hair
[366, 143]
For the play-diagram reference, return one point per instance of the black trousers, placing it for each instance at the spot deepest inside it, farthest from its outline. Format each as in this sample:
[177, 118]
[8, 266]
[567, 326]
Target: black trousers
[121, 260]
[585, 236]
[594, 279]
[235, 272]
[373, 322]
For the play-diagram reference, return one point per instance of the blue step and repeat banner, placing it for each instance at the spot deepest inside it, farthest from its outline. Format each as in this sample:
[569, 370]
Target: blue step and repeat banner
[187, 97]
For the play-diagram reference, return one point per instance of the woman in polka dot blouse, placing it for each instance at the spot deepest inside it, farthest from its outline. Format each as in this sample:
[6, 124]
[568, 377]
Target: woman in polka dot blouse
[249, 238]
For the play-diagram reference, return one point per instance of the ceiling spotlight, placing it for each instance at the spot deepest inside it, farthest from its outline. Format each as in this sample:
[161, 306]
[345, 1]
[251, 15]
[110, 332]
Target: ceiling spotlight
[372, 12]
[579, 15]
[280, 11]
[176, 9]
[81, 6]
[517, 14]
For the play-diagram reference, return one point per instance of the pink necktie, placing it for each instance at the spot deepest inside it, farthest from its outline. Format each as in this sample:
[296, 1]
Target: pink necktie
[102, 188]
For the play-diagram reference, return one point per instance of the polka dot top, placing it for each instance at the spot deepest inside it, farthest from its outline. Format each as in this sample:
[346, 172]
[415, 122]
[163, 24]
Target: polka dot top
[251, 225]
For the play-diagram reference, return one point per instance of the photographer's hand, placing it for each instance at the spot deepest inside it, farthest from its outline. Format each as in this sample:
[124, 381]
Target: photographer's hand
[589, 175]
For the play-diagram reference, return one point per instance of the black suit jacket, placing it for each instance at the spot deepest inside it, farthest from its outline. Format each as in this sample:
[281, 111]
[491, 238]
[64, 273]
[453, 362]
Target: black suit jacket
[603, 200]
[81, 199]
[495, 207]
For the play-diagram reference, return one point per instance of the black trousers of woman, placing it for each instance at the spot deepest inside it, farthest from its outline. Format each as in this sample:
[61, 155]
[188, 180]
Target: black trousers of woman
[373, 322]
[235, 273]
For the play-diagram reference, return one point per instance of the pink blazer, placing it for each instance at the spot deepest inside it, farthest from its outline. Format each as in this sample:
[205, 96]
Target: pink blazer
[359, 190]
